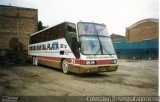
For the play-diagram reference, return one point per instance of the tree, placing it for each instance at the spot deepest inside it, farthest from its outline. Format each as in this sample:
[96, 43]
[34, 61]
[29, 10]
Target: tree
[41, 26]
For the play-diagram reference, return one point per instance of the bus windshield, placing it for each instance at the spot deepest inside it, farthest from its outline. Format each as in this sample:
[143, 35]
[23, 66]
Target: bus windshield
[92, 29]
[94, 39]
[91, 45]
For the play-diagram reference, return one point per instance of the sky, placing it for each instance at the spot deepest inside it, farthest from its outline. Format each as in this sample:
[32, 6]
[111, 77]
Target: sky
[115, 14]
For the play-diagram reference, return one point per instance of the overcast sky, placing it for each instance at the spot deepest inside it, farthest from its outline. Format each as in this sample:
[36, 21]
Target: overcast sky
[116, 14]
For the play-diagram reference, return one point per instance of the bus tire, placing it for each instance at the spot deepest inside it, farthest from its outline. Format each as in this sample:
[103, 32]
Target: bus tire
[35, 61]
[64, 66]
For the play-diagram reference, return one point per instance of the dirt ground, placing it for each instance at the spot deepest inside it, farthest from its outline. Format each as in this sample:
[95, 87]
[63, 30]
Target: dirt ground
[133, 78]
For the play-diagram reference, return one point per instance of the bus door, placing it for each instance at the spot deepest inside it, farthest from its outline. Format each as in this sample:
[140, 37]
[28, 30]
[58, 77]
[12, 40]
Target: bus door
[75, 47]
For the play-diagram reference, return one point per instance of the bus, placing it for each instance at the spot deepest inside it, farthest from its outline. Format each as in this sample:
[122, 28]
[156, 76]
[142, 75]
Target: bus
[85, 47]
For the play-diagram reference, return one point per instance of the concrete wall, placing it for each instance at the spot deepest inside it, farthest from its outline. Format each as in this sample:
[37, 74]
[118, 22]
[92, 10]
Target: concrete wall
[146, 29]
[17, 22]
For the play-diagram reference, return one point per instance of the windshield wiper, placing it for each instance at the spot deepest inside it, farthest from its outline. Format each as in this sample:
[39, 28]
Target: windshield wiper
[98, 51]
[108, 52]
[99, 42]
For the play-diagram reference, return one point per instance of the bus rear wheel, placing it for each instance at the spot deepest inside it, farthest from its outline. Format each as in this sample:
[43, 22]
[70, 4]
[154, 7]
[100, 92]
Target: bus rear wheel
[64, 65]
[35, 61]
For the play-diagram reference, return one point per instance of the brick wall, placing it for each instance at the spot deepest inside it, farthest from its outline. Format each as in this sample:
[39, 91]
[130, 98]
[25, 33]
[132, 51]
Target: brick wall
[143, 30]
[17, 22]
[116, 36]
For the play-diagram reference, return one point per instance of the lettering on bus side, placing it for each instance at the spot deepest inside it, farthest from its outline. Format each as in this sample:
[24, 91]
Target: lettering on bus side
[54, 46]
[99, 57]
[63, 46]
[46, 46]
[50, 46]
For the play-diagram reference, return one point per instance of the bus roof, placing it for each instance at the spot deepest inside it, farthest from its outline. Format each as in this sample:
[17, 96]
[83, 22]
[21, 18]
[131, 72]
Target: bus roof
[91, 23]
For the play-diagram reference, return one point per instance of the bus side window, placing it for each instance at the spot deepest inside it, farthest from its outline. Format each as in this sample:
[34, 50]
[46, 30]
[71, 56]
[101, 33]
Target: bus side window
[61, 31]
[41, 37]
[53, 34]
[71, 27]
[36, 38]
[46, 35]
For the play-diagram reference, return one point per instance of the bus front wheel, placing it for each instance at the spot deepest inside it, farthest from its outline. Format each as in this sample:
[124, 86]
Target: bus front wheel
[64, 66]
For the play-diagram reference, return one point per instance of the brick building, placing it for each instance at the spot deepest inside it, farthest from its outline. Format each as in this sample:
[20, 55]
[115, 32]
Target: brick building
[16, 23]
[116, 36]
[146, 29]
[141, 40]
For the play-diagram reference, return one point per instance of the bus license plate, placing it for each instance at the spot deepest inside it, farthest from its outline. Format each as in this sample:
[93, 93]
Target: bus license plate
[112, 68]
[102, 69]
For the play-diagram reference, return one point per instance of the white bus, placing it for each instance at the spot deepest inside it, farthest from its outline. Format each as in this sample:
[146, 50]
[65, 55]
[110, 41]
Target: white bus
[85, 48]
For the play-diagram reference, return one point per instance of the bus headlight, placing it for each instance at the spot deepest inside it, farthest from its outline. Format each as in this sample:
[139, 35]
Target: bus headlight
[114, 61]
[93, 62]
[88, 62]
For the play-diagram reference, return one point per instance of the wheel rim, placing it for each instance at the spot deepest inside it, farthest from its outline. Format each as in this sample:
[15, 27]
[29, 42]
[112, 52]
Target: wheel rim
[64, 66]
[36, 61]
[33, 60]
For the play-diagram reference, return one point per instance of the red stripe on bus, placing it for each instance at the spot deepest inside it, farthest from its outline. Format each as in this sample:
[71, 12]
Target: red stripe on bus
[50, 58]
[76, 61]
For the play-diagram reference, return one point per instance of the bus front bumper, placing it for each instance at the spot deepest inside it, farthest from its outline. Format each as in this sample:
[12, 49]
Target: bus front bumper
[95, 68]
